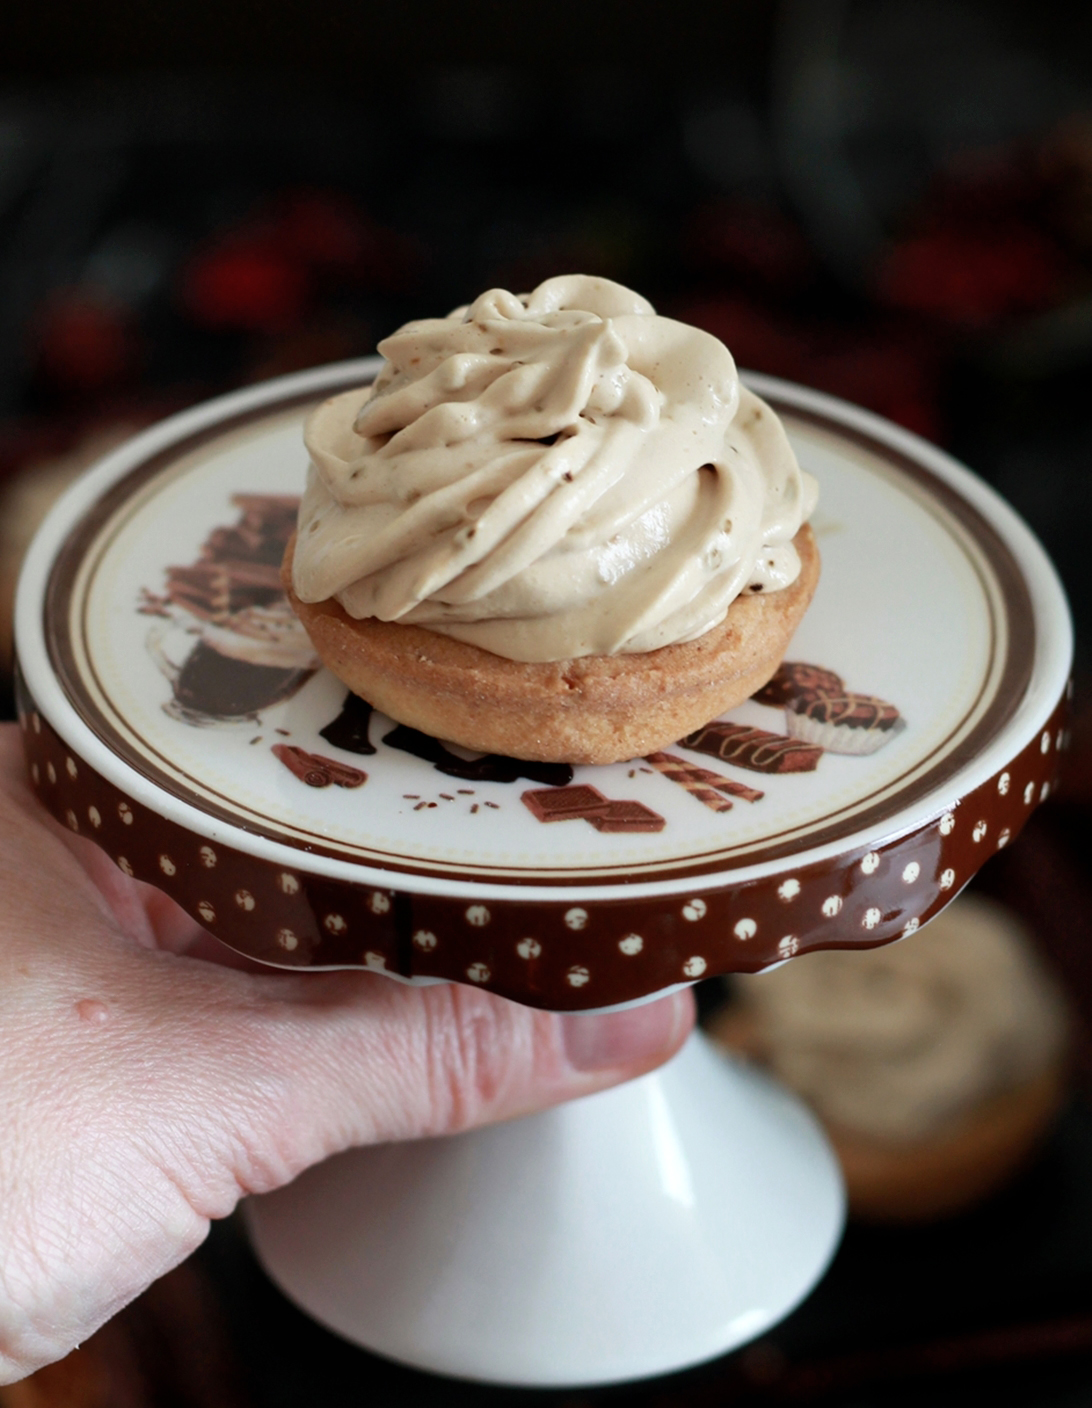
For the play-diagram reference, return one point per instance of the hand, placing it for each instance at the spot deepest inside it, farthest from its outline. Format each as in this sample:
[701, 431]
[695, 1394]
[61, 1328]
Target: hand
[149, 1079]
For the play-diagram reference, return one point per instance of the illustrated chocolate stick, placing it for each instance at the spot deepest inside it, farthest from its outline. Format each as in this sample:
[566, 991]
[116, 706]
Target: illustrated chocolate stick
[696, 781]
[753, 748]
[317, 770]
[701, 783]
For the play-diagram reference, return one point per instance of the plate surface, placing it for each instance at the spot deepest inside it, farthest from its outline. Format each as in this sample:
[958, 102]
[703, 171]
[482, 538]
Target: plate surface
[171, 716]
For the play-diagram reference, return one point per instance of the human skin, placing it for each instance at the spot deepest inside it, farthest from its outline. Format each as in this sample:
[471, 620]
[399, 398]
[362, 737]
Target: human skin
[149, 1079]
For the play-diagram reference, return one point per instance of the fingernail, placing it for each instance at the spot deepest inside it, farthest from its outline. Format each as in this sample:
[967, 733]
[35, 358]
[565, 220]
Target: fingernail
[641, 1036]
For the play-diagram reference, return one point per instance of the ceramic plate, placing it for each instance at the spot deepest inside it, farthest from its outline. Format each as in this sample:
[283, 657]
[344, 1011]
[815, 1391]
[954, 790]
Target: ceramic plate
[173, 714]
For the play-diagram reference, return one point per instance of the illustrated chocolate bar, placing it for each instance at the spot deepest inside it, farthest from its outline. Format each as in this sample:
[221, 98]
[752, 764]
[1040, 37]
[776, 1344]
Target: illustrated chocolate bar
[795, 680]
[753, 748]
[266, 523]
[213, 590]
[627, 816]
[317, 770]
[580, 803]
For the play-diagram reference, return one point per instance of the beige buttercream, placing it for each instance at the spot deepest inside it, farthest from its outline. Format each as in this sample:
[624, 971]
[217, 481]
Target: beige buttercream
[901, 1041]
[551, 476]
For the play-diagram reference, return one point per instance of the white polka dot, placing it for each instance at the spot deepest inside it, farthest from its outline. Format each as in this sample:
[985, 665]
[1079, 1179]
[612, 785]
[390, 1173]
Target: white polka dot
[788, 946]
[528, 948]
[1003, 784]
[71, 818]
[207, 856]
[871, 863]
[94, 817]
[478, 973]
[576, 918]
[1004, 838]
[871, 918]
[832, 905]
[124, 866]
[980, 829]
[375, 961]
[35, 775]
[911, 872]
[71, 768]
[789, 889]
[1061, 742]
[694, 909]
[379, 903]
[577, 976]
[125, 811]
[631, 944]
[1044, 791]
[335, 924]
[245, 900]
[695, 967]
[206, 911]
[947, 879]
[745, 929]
[946, 825]
[425, 939]
[51, 772]
[1029, 794]
[167, 865]
[478, 916]
[287, 939]
[36, 722]
[288, 883]
[910, 927]
[1044, 742]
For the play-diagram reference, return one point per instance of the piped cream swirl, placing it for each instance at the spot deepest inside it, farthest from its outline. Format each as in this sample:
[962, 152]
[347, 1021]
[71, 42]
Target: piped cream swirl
[550, 476]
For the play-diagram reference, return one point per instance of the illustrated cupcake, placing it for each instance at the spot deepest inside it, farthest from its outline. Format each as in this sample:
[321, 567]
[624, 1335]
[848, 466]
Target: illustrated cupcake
[557, 528]
[936, 1064]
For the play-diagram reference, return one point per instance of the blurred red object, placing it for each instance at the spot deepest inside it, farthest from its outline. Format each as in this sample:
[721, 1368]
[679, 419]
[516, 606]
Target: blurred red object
[83, 343]
[971, 278]
[880, 368]
[246, 284]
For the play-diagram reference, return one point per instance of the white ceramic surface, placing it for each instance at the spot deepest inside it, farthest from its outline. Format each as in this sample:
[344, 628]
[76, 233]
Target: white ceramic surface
[625, 1235]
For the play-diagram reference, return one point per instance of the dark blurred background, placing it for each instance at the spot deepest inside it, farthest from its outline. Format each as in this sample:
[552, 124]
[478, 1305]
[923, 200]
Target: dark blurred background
[890, 200]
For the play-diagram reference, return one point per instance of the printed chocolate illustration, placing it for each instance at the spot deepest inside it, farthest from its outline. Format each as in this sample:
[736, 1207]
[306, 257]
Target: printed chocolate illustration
[317, 770]
[753, 748]
[820, 710]
[229, 643]
[584, 803]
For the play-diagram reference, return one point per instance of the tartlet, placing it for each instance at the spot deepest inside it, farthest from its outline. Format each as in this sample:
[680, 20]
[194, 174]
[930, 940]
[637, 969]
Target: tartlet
[595, 709]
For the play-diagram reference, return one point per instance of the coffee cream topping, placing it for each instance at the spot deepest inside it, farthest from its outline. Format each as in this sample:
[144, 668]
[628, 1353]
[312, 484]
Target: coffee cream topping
[550, 476]
[903, 1041]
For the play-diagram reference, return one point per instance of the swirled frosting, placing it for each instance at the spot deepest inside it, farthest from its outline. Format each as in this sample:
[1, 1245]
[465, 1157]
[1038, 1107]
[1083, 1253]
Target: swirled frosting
[550, 476]
[901, 1041]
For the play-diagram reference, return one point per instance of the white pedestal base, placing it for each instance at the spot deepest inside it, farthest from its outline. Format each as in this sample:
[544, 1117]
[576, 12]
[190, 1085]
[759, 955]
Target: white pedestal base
[628, 1234]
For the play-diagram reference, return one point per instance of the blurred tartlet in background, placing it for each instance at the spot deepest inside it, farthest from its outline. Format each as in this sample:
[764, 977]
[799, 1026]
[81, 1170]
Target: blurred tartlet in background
[936, 1064]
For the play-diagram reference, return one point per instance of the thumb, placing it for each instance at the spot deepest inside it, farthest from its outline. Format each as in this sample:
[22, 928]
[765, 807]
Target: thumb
[310, 1065]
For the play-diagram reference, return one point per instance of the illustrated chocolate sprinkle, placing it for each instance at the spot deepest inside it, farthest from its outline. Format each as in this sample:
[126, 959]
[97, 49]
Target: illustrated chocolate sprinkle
[466, 791]
[447, 796]
[420, 806]
[473, 809]
[284, 732]
[494, 805]
[258, 739]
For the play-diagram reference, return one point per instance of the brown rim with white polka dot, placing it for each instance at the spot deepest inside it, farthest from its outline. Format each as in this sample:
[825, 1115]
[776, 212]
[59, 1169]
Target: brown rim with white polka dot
[601, 936]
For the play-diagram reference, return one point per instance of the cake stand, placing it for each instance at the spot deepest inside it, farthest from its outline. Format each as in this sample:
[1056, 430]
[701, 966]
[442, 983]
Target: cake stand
[172, 714]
